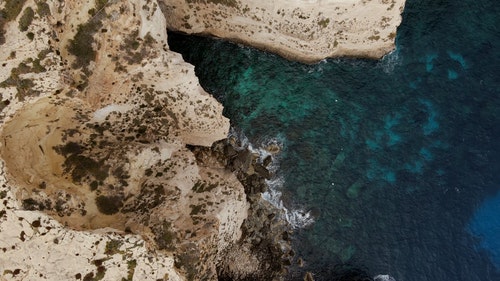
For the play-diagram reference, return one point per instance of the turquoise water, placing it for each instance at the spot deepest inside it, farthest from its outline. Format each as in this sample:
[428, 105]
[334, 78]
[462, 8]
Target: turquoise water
[398, 159]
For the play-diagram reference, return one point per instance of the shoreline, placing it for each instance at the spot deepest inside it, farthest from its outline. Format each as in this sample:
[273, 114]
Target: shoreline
[265, 244]
[95, 160]
[297, 57]
[304, 31]
[113, 156]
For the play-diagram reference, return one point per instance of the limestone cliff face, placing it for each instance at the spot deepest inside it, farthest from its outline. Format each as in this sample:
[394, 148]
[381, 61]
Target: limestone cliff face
[303, 30]
[96, 116]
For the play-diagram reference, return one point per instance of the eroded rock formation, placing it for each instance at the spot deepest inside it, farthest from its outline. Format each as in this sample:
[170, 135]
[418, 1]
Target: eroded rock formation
[303, 30]
[113, 164]
[98, 113]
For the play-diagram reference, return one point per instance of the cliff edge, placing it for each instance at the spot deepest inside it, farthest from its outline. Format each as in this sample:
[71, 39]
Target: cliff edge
[96, 180]
[302, 30]
[112, 165]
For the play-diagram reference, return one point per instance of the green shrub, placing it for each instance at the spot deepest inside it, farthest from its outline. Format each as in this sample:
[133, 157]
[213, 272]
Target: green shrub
[131, 264]
[113, 247]
[229, 3]
[26, 19]
[165, 236]
[42, 8]
[10, 12]
[12, 9]
[109, 205]
[81, 45]
[324, 22]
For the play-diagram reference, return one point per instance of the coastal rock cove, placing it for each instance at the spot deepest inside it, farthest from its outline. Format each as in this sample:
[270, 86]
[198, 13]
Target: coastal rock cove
[118, 164]
[397, 160]
[115, 162]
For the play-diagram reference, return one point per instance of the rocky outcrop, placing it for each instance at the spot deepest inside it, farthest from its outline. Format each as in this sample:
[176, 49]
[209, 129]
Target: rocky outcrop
[264, 251]
[303, 30]
[113, 167]
[96, 116]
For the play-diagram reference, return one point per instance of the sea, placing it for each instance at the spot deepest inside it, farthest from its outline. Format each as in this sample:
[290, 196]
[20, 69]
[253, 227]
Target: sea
[389, 169]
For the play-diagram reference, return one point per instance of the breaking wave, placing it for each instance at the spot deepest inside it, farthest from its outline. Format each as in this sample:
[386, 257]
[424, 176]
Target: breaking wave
[390, 61]
[270, 147]
[296, 217]
[384, 277]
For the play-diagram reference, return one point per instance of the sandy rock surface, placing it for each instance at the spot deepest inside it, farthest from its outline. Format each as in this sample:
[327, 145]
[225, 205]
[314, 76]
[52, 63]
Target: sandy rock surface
[96, 180]
[303, 30]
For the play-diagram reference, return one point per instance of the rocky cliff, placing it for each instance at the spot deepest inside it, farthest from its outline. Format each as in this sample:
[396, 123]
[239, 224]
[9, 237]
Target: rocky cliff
[112, 165]
[97, 181]
[303, 30]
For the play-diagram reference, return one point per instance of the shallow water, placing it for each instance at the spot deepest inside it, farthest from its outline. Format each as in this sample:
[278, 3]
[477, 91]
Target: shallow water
[394, 158]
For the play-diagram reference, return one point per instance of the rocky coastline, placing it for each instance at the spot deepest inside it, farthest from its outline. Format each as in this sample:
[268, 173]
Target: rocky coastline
[302, 30]
[102, 132]
[265, 232]
[115, 163]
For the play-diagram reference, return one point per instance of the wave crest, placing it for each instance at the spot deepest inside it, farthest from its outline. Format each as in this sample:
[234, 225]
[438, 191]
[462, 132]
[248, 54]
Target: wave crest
[384, 277]
[270, 147]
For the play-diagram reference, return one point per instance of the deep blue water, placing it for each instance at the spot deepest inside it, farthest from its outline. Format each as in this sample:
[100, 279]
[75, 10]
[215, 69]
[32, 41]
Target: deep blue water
[398, 159]
[485, 224]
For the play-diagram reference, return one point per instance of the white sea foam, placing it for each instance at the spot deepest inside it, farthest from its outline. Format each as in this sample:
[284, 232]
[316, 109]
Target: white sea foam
[318, 67]
[390, 61]
[296, 217]
[384, 277]
[262, 150]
